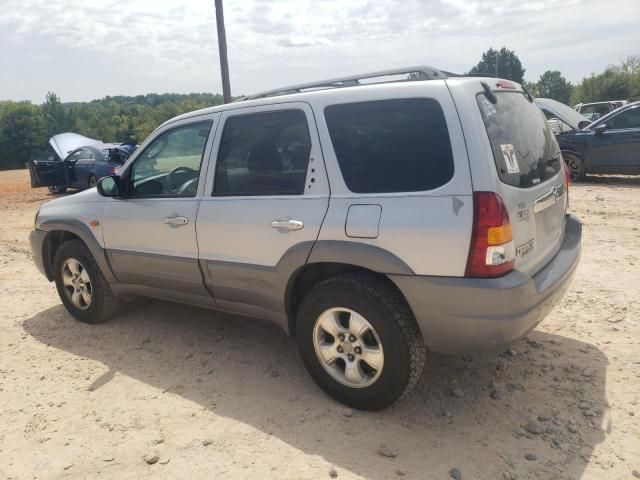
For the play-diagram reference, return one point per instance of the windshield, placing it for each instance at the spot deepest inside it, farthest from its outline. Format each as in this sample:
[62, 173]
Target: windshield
[524, 147]
[562, 111]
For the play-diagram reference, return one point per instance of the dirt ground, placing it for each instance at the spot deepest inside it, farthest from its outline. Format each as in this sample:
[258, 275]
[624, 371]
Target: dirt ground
[215, 396]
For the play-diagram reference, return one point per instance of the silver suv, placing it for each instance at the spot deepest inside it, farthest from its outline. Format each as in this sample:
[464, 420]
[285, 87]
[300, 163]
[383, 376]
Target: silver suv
[372, 218]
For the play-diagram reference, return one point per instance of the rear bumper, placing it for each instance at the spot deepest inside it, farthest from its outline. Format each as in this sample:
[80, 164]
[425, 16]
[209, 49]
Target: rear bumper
[467, 315]
[36, 240]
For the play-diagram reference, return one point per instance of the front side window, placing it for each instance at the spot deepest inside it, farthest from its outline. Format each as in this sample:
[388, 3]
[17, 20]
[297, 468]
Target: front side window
[263, 154]
[627, 119]
[170, 165]
[398, 145]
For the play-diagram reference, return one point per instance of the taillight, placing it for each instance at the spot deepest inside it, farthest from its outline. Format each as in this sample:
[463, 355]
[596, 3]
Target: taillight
[492, 252]
[567, 173]
[567, 181]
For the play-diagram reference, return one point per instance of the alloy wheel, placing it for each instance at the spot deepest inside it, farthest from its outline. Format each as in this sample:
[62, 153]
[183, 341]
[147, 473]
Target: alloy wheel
[348, 347]
[77, 283]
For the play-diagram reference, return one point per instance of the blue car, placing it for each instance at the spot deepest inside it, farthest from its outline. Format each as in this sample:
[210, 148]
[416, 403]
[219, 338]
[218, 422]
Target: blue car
[610, 145]
[78, 162]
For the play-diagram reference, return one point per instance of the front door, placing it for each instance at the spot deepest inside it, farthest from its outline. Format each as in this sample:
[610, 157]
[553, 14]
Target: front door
[46, 173]
[617, 149]
[150, 233]
[263, 206]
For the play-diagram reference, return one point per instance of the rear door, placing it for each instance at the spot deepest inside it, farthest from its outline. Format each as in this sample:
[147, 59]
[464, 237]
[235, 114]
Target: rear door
[83, 167]
[528, 172]
[263, 205]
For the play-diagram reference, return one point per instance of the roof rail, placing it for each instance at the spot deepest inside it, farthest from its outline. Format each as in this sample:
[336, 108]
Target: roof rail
[412, 73]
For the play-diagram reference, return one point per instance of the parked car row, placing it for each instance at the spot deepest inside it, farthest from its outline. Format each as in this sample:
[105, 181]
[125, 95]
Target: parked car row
[77, 162]
[593, 111]
[609, 145]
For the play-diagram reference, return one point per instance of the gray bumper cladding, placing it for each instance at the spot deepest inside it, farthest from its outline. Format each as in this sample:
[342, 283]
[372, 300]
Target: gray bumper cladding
[36, 239]
[465, 315]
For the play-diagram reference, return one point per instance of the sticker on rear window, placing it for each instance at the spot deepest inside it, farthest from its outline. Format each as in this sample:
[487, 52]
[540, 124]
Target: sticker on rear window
[510, 160]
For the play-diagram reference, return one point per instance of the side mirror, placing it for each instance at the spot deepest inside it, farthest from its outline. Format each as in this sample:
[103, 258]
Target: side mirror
[600, 129]
[583, 124]
[109, 186]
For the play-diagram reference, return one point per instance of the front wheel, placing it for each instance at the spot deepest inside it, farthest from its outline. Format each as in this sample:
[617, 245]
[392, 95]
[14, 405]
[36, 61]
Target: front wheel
[57, 189]
[93, 181]
[82, 288]
[575, 165]
[359, 341]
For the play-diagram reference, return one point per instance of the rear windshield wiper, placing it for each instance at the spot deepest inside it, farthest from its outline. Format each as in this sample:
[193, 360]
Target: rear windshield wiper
[527, 94]
[488, 93]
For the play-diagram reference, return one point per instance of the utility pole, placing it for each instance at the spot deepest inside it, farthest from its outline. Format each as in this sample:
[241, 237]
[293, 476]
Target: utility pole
[222, 48]
[497, 58]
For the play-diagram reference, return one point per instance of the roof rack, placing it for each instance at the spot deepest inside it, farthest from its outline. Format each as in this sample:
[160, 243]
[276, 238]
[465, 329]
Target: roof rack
[412, 73]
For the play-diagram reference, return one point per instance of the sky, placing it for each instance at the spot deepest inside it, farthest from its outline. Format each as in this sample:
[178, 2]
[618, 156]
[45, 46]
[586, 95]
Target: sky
[87, 49]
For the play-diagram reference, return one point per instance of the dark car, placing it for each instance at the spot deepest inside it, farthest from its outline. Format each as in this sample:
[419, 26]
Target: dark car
[78, 162]
[610, 145]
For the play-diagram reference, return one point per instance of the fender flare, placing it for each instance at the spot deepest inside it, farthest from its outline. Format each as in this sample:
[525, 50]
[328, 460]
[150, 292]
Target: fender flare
[82, 231]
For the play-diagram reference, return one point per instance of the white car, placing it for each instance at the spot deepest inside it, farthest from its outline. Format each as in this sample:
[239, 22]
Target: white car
[373, 222]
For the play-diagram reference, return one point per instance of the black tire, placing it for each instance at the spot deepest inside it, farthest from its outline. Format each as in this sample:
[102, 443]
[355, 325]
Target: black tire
[103, 304]
[387, 312]
[57, 189]
[93, 181]
[575, 165]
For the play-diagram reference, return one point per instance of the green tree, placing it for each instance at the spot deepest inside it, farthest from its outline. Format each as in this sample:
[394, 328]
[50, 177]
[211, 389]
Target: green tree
[617, 82]
[553, 85]
[509, 65]
[22, 130]
[533, 88]
[26, 128]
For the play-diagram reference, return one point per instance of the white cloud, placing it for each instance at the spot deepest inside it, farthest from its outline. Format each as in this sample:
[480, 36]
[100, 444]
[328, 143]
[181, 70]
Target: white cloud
[140, 45]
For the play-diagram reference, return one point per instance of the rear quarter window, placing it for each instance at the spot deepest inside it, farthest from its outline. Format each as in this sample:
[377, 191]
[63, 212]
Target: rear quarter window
[524, 147]
[384, 146]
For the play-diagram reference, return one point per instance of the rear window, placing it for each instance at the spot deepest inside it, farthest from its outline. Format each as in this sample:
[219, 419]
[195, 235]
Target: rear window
[391, 145]
[524, 147]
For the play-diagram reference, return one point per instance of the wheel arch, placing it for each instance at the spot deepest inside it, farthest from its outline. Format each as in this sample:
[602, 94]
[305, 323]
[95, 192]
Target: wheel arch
[311, 274]
[576, 152]
[60, 231]
[50, 246]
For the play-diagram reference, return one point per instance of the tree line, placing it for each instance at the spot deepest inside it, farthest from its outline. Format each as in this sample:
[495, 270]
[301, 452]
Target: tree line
[617, 82]
[25, 128]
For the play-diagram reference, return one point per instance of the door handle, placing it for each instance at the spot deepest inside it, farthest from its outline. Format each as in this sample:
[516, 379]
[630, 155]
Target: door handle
[176, 221]
[287, 224]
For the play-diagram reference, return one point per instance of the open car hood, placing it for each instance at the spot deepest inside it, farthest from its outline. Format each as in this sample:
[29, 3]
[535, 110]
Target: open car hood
[64, 143]
[564, 112]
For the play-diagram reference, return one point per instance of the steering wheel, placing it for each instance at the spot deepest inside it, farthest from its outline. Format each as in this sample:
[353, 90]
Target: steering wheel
[180, 175]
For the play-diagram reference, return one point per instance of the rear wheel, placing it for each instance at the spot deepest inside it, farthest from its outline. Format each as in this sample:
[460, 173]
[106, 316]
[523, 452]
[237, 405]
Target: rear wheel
[57, 189]
[80, 283]
[93, 181]
[575, 165]
[359, 341]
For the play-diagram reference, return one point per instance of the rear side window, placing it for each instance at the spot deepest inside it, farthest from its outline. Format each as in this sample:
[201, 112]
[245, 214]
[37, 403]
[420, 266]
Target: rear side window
[524, 147]
[391, 145]
[263, 154]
